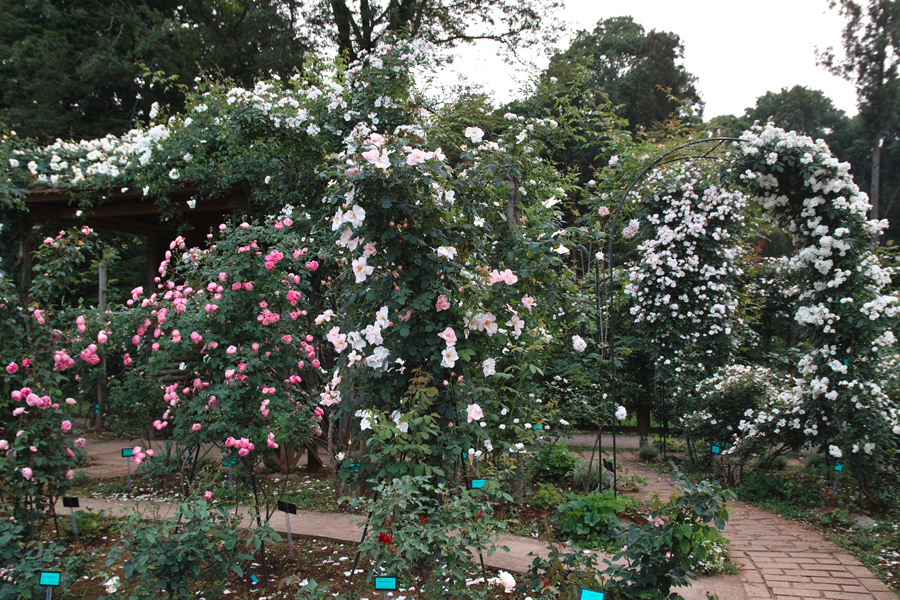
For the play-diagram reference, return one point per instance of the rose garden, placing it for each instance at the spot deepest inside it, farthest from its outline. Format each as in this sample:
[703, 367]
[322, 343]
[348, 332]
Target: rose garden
[457, 327]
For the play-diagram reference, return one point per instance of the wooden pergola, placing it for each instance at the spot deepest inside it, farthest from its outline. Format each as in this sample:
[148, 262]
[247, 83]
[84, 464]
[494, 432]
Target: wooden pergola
[132, 212]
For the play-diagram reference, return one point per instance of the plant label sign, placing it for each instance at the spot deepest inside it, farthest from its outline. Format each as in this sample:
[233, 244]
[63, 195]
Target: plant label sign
[477, 484]
[70, 502]
[386, 584]
[608, 464]
[287, 507]
[50, 578]
[587, 594]
[126, 452]
[839, 467]
[717, 448]
[538, 426]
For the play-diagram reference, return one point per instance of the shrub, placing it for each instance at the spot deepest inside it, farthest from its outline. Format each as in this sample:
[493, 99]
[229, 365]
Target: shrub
[587, 477]
[23, 561]
[552, 462]
[429, 534]
[592, 516]
[648, 453]
[680, 534]
[547, 496]
[195, 549]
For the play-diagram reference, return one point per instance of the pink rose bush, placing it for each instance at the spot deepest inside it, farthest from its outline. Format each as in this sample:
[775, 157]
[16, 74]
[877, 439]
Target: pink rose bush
[248, 387]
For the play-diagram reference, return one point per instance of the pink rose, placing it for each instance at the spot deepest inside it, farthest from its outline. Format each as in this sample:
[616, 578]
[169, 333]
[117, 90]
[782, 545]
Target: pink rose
[66, 426]
[12, 368]
[474, 413]
[70, 474]
[207, 495]
[195, 427]
[26, 473]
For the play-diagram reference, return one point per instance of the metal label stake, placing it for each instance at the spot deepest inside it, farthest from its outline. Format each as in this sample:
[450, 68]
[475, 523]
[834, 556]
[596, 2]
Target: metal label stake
[50, 579]
[127, 453]
[72, 503]
[288, 509]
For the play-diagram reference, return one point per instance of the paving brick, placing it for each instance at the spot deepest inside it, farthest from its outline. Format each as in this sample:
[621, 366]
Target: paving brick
[874, 585]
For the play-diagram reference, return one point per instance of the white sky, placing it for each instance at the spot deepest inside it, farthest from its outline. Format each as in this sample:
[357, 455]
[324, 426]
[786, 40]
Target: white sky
[737, 50]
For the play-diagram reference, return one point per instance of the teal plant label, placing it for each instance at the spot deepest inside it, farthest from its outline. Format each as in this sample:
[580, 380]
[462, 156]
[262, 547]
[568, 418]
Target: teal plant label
[387, 584]
[839, 467]
[717, 448]
[477, 484]
[591, 595]
[254, 578]
[50, 578]
[126, 452]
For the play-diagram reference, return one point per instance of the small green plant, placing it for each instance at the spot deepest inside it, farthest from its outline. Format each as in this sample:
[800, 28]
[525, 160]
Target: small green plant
[836, 517]
[552, 462]
[23, 560]
[592, 516]
[653, 558]
[430, 534]
[547, 496]
[195, 549]
[648, 453]
[759, 487]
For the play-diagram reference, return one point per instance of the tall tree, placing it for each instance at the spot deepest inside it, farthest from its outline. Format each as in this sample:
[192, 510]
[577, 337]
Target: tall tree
[638, 70]
[353, 26]
[71, 67]
[871, 40]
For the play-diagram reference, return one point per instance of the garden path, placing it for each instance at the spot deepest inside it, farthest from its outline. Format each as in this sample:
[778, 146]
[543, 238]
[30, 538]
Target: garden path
[107, 461]
[778, 559]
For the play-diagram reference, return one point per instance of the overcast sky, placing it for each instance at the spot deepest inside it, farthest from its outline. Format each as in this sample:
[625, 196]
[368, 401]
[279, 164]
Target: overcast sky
[737, 50]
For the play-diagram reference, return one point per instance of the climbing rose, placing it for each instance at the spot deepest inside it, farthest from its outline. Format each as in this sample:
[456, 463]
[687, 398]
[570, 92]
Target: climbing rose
[26, 473]
[474, 413]
[579, 344]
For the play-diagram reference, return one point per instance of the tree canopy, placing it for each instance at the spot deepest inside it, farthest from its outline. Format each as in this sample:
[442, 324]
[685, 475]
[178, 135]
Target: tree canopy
[638, 70]
[77, 68]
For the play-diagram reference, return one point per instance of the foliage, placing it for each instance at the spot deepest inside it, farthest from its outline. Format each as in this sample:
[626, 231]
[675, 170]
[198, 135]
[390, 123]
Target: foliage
[870, 62]
[592, 516]
[648, 453]
[429, 535]
[681, 286]
[546, 496]
[199, 545]
[92, 68]
[847, 318]
[638, 70]
[800, 109]
[23, 560]
[654, 558]
[551, 462]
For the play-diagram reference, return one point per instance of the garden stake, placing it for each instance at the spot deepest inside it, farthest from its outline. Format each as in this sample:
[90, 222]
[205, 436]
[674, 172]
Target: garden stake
[262, 545]
[128, 466]
[74, 523]
[230, 482]
[287, 520]
[31, 513]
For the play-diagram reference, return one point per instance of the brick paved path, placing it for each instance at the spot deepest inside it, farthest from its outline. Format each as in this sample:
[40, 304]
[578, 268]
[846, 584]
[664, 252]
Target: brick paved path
[778, 559]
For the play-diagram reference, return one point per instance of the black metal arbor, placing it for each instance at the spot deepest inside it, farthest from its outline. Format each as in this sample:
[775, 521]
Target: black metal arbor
[669, 157]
